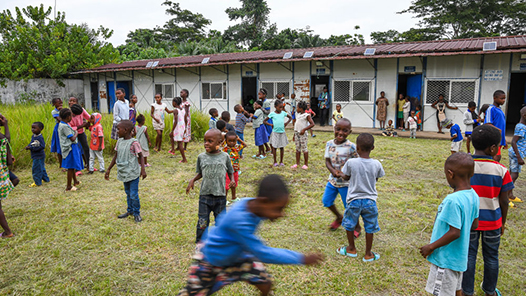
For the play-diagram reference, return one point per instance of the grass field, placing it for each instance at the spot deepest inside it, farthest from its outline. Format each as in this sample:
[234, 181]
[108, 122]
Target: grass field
[73, 243]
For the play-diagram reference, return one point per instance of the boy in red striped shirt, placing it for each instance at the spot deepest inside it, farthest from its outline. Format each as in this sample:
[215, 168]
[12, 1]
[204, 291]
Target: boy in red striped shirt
[492, 182]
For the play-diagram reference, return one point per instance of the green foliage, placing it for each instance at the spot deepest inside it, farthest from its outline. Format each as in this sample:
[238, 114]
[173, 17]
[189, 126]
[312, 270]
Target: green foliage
[470, 18]
[33, 45]
[185, 25]
[414, 34]
[21, 116]
[253, 22]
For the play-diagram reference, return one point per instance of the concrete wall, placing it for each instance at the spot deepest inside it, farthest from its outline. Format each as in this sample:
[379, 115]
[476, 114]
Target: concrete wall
[41, 90]
[361, 113]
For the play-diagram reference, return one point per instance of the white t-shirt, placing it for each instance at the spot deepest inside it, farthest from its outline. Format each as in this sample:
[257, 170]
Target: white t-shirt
[412, 122]
[301, 122]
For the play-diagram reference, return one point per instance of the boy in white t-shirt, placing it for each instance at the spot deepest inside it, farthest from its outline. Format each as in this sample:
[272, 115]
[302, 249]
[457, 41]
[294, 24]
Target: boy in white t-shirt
[412, 122]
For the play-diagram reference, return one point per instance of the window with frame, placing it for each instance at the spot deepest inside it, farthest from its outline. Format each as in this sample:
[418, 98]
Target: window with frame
[213, 90]
[166, 90]
[274, 88]
[355, 90]
[455, 91]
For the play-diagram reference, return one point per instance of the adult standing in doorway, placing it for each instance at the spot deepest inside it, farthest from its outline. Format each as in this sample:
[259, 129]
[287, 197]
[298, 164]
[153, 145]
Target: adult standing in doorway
[186, 106]
[441, 106]
[381, 112]
[324, 103]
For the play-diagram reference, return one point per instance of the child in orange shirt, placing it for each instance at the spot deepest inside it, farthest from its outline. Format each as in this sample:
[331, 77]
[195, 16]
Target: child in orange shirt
[96, 143]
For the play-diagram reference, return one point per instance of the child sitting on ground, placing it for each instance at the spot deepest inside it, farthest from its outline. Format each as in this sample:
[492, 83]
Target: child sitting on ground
[211, 166]
[312, 115]
[456, 135]
[303, 124]
[363, 173]
[71, 153]
[225, 116]
[130, 167]
[390, 130]
[337, 114]
[471, 120]
[232, 148]
[278, 138]
[517, 152]
[260, 131]
[492, 182]
[412, 123]
[37, 147]
[233, 252]
[242, 117]
[213, 118]
[337, 152]
[6, 159]
[457, 216]
[96, 143]
[141, 134]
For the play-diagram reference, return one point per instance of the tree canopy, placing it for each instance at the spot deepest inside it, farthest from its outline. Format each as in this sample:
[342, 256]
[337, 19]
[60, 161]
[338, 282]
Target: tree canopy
[34, 45]
[253, 16]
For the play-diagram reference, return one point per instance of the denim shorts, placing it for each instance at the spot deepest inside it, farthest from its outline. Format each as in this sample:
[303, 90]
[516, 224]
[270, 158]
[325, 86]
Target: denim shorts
[514, 164]
[365, 208]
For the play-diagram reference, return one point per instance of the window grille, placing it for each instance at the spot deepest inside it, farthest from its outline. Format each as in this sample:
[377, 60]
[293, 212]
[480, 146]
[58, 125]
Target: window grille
[455, 91]
[166, 90]
[360, 90]
[345, 90]
[274, 88]
[214, 90]
[342, 91]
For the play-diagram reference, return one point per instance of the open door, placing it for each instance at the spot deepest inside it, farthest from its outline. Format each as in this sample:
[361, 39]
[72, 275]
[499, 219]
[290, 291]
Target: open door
[249, 93]
[516, 99]
[126, 85]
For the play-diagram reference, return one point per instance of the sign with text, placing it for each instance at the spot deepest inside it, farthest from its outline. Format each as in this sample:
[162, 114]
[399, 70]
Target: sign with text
[410, 69]
[493, 75]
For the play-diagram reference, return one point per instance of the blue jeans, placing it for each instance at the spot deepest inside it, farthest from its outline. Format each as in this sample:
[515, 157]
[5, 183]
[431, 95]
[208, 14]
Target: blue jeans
[490, 253]
[39, 171]
[242, 137]
[132, 196]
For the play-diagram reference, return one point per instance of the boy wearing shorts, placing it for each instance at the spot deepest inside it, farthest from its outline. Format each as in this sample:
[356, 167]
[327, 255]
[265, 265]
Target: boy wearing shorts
[456, 134]
[363, 172]
[516, 153]
[457, 216]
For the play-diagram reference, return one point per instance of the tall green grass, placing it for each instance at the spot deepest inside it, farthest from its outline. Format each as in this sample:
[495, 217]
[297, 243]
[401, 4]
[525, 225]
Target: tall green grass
[21, 116]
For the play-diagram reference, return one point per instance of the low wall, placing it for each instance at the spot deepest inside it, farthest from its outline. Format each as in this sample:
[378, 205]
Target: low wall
[41, 90]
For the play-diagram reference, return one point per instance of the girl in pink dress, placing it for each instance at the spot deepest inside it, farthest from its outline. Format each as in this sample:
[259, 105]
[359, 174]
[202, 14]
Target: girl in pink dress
[186, 106]
[179, 126]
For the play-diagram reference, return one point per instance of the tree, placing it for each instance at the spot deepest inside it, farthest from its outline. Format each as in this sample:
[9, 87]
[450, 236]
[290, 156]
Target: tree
[347, 39]
[469, 18]
[283, 40]
[386, 37]
[253, 17]
[145, 38]
[309, 40]
[185, 26]
[33, 45]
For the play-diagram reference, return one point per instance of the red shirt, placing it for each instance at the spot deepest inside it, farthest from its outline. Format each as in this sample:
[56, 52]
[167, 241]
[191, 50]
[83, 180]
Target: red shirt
[97, 136]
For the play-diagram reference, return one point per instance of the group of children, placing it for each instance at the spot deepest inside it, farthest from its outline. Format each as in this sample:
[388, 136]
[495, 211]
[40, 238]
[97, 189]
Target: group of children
[232, 252]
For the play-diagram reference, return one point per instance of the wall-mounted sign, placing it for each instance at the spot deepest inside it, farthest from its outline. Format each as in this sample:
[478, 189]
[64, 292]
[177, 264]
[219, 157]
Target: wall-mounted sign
[249, 73]
[320, 71]
[522, 67]
[409, 69]
[493, 75]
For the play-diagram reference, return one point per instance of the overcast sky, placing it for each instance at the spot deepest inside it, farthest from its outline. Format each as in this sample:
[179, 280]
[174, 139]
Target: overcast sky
[328, 17]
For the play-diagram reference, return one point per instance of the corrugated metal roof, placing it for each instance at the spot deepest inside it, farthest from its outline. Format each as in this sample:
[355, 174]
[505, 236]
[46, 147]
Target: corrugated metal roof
[388, 50]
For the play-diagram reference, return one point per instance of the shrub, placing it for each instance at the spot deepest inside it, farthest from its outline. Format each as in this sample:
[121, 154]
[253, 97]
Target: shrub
[21, 116]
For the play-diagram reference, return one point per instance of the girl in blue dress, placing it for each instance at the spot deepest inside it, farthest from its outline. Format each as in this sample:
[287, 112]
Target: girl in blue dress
[71, 153]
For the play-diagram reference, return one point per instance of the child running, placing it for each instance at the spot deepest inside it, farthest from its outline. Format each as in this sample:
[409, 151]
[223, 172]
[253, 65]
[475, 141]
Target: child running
[179, 127]
[213, 118]
[260, 131]
[232, 148]
[37, 147]
[6, 159]
[457, 215]
[242, 117]
[157, 113]
[303, 124]
[278, 138]
[121, 111]
[211, 166]
[456, 135]
[130, 167]
[471, 120]
[71, 153]
[363, 173]
[233, 252]
[55, 141]
[337, 152]
[492, 183]
[517, 152]
[96, 143]
[141, 134]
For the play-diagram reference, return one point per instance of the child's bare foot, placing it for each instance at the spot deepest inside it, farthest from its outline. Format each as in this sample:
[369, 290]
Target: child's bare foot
[77, 183]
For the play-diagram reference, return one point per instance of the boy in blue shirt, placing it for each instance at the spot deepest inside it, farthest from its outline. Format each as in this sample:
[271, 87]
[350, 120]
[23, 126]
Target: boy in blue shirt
[517, 152]
[232, 251]
[456, 134]
[38, 155]
[495, 117]
[457, 215]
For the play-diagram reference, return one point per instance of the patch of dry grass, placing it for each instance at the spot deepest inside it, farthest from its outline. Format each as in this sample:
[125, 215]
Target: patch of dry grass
[73, 243]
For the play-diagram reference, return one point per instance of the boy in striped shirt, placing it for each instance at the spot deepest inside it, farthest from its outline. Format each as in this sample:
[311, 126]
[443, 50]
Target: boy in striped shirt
[492, 182]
